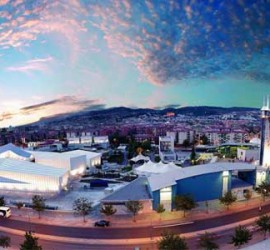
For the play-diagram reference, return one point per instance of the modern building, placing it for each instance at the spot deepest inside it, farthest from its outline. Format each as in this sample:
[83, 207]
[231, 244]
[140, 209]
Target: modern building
[20, 175]
[49, 146]
[202, 182]
[75, 164]
[265, 134]
[188, 135]
[92, 158]
[11, 151]
[166, 149]
[248, 155]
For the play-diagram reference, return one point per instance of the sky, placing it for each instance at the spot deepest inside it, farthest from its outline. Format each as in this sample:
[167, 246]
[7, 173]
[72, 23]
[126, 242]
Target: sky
[62, 56]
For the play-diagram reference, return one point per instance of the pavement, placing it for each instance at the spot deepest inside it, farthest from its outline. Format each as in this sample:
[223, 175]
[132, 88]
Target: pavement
[68, 218]
[152, 220]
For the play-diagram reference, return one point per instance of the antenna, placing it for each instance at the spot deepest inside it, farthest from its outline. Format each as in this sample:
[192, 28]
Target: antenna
[267, 102]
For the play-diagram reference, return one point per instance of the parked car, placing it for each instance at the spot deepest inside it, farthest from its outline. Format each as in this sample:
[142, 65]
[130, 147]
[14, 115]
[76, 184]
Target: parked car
[102, 223]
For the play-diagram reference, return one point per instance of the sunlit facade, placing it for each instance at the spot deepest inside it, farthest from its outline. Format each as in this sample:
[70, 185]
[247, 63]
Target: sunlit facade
[17, 175]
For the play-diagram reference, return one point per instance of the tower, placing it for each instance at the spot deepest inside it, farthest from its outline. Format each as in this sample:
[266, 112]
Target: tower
[265, 134]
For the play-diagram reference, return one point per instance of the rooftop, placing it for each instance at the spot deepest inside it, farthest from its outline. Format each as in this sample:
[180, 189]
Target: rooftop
[135, 190]
[26, 167]
[170, 178]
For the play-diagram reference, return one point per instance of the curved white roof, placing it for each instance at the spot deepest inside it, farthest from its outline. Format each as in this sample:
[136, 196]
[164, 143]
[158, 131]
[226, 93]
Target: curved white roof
[170, 178]
[16, 150]
[26, 167]
[78, 152]
[140, 157]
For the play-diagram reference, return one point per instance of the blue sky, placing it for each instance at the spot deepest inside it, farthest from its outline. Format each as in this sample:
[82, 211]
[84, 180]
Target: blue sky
[71, 55]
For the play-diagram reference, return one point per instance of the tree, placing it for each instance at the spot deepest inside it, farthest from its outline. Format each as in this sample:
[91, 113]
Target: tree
[146, 145]
[2, 201]
[241, 236]
[184, 202]
[186, 143]
[264, 190]
[247, 195]
[134, 207]
[108, 210]
[227, 199]
[30, 242]
[82, 206]
[157, 158]
[38, 204]
[160, 210]
[170, 241]
[204, 140]
[193, 156]
[207, 242]
[264, 224]
[4, 241]
[19, 205]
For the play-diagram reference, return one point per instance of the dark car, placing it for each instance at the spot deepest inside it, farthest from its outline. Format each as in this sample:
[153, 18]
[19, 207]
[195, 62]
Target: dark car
[102, 223]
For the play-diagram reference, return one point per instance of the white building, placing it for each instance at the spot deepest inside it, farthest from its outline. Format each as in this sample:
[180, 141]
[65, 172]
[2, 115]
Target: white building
[74, 164]
[19, 175]
[166, 149]
[171, 134]
[102, 141]
[41, 146]
[248, 155]
[11, 151]
[185, 135]
[92, 159]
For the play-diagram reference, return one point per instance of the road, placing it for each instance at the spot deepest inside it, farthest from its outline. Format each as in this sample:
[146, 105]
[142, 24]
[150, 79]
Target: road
[129, 232]
[223, 238]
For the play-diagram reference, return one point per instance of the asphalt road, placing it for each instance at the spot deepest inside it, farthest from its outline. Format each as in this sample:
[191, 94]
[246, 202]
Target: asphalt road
[130, 232]
[222, 238]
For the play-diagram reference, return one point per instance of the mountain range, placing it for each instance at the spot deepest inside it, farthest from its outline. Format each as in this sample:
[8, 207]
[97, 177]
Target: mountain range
[118, 113]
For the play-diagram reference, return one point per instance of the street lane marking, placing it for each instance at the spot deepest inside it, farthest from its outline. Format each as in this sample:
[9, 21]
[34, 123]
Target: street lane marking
[175, 225]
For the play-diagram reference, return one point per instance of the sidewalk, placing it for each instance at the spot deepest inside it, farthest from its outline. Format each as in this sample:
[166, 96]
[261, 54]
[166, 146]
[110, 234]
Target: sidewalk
[69, 219]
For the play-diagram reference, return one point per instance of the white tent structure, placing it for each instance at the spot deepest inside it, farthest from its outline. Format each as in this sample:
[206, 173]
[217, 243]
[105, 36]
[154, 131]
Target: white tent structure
[75, 164]
[151, 168]
[140, 157]
[17, 175]
[11, 151]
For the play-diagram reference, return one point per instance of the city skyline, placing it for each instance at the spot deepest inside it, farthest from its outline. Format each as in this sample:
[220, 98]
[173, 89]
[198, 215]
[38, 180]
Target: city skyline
[57, 57]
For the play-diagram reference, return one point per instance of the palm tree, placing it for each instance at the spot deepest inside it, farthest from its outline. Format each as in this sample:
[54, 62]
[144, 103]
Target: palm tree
[108, 210]
[170, 241]
[207, 242]
[264, 190]
[264, 224]
[4, 241]
[241, 236]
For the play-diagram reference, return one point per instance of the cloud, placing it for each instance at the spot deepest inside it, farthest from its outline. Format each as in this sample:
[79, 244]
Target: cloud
[41, 64]
[62, 105]
[178, 40]
[25, 21]
[3, 2]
